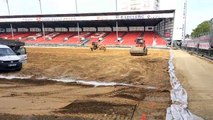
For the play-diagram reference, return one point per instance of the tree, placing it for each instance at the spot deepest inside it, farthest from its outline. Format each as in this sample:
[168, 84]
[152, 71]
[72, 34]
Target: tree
[202, 28]
[187, 36]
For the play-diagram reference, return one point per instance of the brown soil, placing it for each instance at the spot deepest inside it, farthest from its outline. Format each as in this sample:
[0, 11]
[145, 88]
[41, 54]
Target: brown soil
[44, 99]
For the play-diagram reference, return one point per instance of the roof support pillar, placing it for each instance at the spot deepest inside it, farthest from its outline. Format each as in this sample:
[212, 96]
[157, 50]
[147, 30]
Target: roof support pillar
[42, 27]
[117, 30]
[164, 27]
[78, 31]
[42, 24]
[144, 28]
[96, 29]
[11, 26]
[173, 32]
[12, 34]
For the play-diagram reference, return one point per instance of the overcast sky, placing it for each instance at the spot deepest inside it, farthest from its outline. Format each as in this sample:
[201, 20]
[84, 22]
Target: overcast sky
[198, 10]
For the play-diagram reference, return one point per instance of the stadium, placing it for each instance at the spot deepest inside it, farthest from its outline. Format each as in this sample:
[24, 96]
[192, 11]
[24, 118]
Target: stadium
[64, 77]
[110, 29]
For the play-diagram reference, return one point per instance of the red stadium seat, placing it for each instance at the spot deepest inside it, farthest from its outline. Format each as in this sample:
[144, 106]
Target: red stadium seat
[76, 40]
[96, 36]
[129, 38]
[111, 39]
[148, 37]
[60, 38]
[160, 40]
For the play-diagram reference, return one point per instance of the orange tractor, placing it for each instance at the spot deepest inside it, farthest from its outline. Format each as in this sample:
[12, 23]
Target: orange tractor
[96, 46]
[140, 49]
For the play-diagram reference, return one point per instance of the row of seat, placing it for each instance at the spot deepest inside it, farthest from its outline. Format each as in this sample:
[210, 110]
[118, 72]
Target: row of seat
[105, 38]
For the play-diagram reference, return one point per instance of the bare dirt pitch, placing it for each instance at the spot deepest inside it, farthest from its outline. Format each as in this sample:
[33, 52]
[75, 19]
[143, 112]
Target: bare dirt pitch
[45, 99]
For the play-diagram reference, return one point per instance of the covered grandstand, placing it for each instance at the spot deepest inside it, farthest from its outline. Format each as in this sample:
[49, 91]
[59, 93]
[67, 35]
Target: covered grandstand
[110, 29]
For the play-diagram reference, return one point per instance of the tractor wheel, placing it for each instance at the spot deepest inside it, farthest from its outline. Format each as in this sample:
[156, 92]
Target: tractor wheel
[145, 51]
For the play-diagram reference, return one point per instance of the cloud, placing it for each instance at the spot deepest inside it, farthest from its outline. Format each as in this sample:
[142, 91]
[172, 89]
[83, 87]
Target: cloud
[167, 4]
[58, 6]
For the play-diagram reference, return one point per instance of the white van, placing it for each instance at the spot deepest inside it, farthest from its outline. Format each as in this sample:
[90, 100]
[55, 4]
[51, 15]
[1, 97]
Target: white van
[9, 60]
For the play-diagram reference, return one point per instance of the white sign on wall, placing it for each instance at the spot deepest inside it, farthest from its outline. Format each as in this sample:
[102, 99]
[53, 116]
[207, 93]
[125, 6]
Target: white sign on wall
[88, 18]
[136, 5]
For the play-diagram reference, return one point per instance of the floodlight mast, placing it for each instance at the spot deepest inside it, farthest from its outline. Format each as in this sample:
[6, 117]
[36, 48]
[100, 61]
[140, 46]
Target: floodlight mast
[11, 26]
[184, 21]
[42, 24]
[116, 8]
[78, 26]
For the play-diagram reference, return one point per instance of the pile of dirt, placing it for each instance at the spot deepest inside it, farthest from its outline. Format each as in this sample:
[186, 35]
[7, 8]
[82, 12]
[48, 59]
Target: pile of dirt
[99, 107]
[39, 117]
[137, 94]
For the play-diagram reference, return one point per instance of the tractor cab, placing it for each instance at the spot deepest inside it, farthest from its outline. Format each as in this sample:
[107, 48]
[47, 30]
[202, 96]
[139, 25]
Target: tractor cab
[140, 42]
[95, 44]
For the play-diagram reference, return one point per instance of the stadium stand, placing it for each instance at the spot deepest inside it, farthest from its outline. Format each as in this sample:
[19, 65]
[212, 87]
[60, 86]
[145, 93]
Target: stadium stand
[160, 40]
[32, 38]
[17, 36]
[129, 38]
[60, 38]
[105, 38]
[63, 29]
[148, 37]
[8, 35]
[21, 36]
[96, 37]
[76, 40]
[40, 39]
[111, 38]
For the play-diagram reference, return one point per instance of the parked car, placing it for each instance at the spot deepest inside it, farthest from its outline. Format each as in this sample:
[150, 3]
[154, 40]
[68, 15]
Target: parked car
[9, 60]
